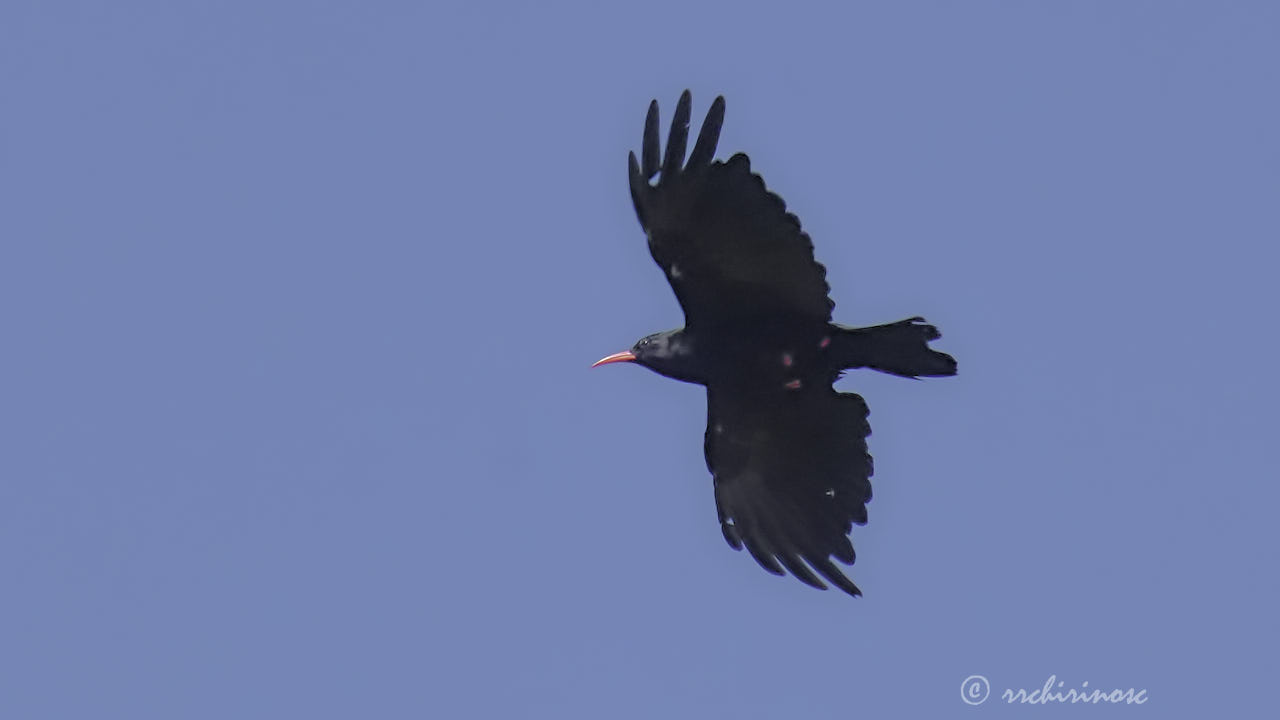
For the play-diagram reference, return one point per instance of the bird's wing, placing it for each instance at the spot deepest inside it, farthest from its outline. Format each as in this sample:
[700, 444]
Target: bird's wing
[728, 246]
[792, 476]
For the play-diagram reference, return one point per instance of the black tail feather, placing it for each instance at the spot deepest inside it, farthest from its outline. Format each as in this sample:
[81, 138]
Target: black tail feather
[900, 348]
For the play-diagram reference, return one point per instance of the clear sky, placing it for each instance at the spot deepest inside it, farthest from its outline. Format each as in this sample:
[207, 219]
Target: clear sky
[297, 304]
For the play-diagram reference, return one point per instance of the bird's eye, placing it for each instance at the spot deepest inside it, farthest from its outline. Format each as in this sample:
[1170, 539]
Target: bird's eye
[644, 342]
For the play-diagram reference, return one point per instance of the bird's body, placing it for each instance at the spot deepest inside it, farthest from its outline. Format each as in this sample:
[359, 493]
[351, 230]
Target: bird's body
[786, 451]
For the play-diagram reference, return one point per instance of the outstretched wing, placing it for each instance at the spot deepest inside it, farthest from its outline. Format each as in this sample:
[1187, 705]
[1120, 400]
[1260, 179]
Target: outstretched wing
[792, 476]
[728, 246]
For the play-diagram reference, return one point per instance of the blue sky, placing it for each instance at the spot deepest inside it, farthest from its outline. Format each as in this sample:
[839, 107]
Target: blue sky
[298, 302]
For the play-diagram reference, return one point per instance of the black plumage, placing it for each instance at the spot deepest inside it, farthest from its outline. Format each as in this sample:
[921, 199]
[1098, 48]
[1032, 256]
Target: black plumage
[787, 453]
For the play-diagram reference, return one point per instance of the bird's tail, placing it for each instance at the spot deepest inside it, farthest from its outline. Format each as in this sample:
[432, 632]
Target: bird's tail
[900, 348]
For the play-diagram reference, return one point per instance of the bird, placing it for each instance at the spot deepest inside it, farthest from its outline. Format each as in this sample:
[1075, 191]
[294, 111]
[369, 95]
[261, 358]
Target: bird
[787, 452]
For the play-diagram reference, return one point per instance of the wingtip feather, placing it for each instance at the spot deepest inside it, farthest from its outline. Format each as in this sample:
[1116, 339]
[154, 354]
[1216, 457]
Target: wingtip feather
[834, 576]
[649, 149]
[764, 554]
[801, 571]
[678, 138]
[638, 185]
[731, 534]
[705, 147]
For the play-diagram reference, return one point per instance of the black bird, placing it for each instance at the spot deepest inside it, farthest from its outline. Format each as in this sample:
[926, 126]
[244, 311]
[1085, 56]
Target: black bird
[787, 453]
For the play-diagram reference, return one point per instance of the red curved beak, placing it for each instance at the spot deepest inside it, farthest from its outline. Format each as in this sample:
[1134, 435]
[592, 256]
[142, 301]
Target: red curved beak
[624, 356]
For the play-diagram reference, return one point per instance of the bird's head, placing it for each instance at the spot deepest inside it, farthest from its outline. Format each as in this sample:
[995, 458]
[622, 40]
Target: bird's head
[668, 353]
